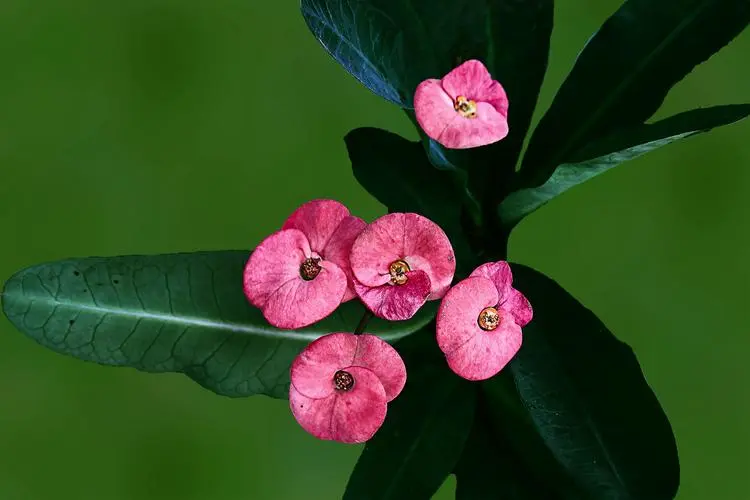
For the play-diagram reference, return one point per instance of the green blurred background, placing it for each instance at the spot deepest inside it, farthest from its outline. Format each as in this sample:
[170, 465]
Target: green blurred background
[153, 126]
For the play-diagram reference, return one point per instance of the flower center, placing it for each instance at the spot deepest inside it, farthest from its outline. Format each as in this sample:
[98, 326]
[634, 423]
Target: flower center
[309, 269]
[488, 319]
[398, 270]
[343, 381]
[465, 107]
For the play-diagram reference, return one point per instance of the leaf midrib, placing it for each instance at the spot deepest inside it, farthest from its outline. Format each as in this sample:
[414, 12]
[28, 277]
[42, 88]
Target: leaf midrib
[183, 320]
[190, 321]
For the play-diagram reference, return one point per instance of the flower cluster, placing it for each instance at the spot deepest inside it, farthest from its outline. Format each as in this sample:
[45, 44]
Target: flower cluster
[323, 256]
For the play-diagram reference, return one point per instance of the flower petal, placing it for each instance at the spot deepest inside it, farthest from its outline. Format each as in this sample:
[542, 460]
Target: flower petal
[384, 361]
[275, 261]
[317, 219]
[459, 312]
[487, 127]
[510, 299]
[427, 248]
[353, 416]
[485, 354]
[433, 108]
[473, 81]
[313, 369]
[396, 302]
[299, 303]
[339, 247]
[518, 305]
[498, 272]
[381, 243]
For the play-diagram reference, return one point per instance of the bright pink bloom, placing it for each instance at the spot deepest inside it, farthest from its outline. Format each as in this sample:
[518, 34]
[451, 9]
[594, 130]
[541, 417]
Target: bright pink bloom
[399, 262]
[479, 322]
[466, 109]
[300, 275]
[341, 385]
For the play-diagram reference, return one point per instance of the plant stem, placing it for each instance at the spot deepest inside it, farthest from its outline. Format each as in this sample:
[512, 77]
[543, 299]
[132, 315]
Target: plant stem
[366, 317]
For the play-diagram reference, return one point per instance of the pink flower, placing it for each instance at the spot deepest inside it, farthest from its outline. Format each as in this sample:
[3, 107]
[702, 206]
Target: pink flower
[466, 109]
[399, 262]
[479, 322]
[342, 384]
[300, 275]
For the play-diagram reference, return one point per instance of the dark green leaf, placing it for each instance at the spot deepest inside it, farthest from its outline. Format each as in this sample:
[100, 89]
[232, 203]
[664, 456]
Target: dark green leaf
[491, 469]
[520, 32]
[421, 440]
[369, 41]
[612, 150]
[626, 70]
[397, 173]
[585, 392]
[171, 313]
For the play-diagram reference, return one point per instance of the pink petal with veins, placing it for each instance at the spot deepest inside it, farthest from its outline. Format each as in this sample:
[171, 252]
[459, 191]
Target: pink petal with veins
[339, 247]
[396, 302]
[318, 220]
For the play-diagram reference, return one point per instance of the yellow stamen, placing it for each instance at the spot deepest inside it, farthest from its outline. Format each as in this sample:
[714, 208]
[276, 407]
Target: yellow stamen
[398, 270]
[465, 107]
[489, 319]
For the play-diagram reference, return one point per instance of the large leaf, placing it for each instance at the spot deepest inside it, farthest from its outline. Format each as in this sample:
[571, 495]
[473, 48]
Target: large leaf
[520, 32]
[171, 313]
[421, 440]
[397, 173]
[585, 392]
[626, 70]
[392, 45]
[613, 150]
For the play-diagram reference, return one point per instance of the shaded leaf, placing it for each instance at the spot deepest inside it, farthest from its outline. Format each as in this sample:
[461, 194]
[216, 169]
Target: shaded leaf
[626, 70]
[421, 439]
[587, 395]
[491, 469]
[520, 33]
[171, 313]
[611, 151]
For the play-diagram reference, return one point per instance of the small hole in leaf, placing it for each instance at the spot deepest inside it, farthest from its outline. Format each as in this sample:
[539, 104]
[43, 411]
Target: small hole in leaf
[85, 290]
[116, 282]
[76, 273]
[72, 321]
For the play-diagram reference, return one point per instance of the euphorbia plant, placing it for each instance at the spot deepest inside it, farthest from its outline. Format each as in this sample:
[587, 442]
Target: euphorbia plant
[413, 333]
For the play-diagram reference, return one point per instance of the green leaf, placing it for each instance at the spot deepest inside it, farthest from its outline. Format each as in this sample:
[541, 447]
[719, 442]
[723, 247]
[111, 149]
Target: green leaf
[368, 40]
[626, 70]
[397, 173]
[520, 32]
[421, 439]
[171, 313]
[393, 45]
[591, 404]
[613, 150]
